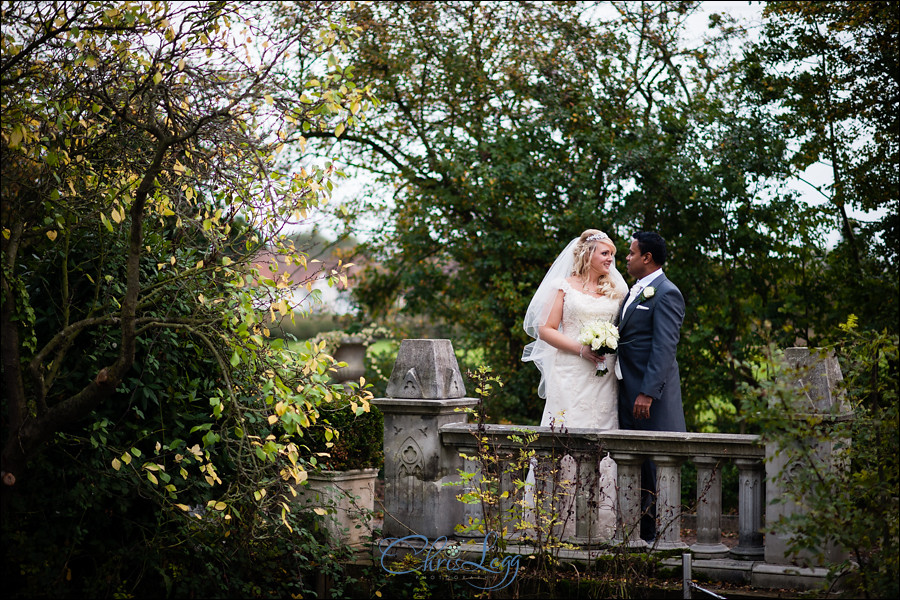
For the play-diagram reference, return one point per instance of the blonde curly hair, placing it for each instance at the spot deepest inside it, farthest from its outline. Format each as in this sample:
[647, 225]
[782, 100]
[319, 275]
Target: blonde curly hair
[584, 249]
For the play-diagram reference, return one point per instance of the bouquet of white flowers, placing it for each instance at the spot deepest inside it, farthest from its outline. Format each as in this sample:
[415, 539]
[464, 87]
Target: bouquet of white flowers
[603, 338]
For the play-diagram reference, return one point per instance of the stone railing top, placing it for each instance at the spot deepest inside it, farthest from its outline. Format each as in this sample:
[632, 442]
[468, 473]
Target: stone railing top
[724, 445]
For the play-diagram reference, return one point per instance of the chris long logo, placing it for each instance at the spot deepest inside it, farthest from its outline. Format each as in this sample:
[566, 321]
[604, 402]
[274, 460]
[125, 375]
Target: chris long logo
[445, 557]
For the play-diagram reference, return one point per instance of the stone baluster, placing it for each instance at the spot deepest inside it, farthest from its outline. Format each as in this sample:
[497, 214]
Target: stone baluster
[709, 509]
[472, 511]
[587, 493]
[668, 502]
[542, 506]
[425, 391]
[751, 498]
[628, 527]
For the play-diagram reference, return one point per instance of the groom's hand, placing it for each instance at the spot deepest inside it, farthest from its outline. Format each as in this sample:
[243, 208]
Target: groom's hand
[642, 406]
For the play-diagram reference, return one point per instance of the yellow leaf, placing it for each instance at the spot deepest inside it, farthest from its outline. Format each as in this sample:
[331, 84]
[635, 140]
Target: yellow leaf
[157, 77]
[220, 506]
[339, 130]
[52, 235]
[181, 65]
[184, 507]
[16, 136]
[269, 99]
[116, 464]
[272, 419]
[152, 478]
[320, 511]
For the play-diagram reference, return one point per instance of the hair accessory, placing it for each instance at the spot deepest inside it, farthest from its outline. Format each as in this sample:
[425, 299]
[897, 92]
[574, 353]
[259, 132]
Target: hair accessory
[597, 236]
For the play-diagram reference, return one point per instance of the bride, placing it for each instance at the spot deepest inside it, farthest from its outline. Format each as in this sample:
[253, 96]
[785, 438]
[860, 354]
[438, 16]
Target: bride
[581, 287]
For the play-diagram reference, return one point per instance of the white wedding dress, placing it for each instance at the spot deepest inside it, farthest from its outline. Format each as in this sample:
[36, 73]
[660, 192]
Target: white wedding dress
[577, 398]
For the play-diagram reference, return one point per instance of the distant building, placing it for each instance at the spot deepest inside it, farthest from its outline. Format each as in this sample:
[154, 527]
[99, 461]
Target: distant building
[333, 299]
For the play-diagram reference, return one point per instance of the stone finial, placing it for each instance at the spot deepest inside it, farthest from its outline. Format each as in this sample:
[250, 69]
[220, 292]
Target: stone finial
[426, 369]
[821, 389]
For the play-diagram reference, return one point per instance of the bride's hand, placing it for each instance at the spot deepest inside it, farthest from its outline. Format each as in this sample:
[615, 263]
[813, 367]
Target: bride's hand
[592, 356]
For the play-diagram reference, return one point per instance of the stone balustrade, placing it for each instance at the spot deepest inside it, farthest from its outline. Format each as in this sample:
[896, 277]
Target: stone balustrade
[429, 443]
[629, 449]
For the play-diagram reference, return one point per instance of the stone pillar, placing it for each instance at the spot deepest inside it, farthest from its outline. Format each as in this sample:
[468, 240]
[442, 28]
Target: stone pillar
[750, 510]
[425, 391]
[709, 509]
[817, 381]
[668, 502]
[628, 528]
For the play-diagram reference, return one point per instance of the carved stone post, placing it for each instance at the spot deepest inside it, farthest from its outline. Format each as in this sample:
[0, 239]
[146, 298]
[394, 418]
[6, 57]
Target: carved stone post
[750, 509]
[818, 392]
[668, 502]
[709, 509]
[426, 391]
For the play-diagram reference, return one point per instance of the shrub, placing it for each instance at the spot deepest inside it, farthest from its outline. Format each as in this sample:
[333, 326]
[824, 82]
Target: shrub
[359, 443]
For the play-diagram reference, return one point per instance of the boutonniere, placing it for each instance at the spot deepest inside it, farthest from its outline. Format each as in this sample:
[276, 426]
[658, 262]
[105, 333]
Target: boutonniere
[646, 293]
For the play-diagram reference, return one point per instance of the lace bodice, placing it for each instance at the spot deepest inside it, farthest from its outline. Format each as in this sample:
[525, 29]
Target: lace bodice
[580, 308]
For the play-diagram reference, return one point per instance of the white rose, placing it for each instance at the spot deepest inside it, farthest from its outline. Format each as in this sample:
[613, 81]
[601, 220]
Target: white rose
[595, 344]
[649, 291]
[612, 343]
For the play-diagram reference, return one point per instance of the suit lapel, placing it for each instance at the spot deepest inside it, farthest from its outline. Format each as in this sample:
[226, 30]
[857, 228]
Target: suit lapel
[656, 283]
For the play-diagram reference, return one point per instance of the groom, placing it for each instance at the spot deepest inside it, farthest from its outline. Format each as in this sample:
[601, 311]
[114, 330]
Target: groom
[650, 388]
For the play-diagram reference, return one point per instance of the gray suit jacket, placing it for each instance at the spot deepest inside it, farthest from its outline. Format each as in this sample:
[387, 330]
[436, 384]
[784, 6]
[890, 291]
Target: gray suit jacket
[648, 338]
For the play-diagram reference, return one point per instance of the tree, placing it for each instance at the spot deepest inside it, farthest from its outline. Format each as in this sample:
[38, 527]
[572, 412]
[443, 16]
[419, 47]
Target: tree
[139, 182]
[827, 75]
[508, 128]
